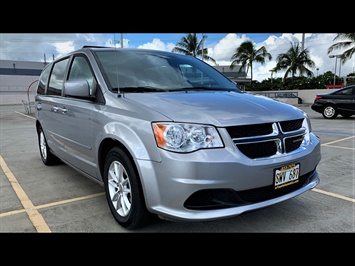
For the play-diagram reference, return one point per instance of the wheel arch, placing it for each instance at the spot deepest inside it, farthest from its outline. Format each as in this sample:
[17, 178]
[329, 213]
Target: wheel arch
[105, 146]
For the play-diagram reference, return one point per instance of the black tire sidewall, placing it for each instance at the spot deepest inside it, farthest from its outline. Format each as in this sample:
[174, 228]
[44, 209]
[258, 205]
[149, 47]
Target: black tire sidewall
[44, 160]
[132, 220]
[51, 158]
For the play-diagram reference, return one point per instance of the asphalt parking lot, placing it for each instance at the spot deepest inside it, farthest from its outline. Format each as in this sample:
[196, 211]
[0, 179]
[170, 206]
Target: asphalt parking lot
[35, 198]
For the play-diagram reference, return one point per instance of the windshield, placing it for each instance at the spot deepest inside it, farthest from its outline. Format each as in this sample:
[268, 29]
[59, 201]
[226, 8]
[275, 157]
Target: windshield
[151, 71]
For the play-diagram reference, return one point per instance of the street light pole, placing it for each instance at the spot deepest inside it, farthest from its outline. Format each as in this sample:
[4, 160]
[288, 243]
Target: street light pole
[272, 72]
[335, 69]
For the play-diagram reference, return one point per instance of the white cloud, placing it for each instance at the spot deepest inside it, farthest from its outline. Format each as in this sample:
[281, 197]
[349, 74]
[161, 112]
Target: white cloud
[64, 47]
[157, 44]
[226, 47]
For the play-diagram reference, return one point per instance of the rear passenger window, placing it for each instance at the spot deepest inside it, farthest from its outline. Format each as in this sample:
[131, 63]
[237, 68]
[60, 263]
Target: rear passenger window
[43, 81]
[56, 79]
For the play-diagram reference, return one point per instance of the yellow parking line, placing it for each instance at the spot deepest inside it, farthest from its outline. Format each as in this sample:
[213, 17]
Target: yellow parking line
[333, 195]
[25, 115]
[35, 217]
[338, 140]
[54, 204]
[338, 147]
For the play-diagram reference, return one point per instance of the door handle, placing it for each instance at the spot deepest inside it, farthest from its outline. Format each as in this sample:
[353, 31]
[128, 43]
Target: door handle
[64, 110]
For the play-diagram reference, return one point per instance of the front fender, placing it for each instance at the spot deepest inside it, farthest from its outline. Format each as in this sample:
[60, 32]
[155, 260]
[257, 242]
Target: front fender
[138, 140]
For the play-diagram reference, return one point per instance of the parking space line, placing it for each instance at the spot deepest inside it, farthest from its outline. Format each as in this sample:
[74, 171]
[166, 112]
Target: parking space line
[25, 115]
[339, 147]
[338, 140]
[54, 204]
[333, 195]
[35, 217]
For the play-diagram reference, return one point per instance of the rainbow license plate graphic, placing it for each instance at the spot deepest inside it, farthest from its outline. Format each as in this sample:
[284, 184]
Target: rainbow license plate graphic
[287, 175]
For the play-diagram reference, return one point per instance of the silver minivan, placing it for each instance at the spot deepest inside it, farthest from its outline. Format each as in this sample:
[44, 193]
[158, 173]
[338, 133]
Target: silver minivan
[169, 136]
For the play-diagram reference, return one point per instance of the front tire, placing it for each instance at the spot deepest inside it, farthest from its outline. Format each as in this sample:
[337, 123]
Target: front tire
[123, 191]
[48, 158]
[330, 112]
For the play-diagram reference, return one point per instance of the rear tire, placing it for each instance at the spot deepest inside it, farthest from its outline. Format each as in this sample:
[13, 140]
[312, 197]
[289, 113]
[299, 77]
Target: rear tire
[123, 191]
[330, 112]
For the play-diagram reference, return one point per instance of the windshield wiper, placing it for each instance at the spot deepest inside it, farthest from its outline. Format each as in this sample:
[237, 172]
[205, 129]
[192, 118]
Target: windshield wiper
[204, 88]
[138, 89]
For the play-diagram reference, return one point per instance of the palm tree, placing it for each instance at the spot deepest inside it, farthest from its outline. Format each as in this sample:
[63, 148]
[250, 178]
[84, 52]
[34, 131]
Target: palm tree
[348, 43]
[189, 45]
[246, 54]
[293, 61]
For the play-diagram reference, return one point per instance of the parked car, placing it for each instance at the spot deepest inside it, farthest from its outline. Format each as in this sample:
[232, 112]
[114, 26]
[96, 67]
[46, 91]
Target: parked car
[338, 102]
[169, 136]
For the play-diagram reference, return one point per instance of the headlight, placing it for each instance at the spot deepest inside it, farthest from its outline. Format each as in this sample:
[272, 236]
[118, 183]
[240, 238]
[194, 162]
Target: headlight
[180, 137]
[307, 126]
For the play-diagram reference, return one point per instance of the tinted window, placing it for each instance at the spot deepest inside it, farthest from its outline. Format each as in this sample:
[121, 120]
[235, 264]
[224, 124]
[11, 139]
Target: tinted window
[159, 70]
[56, 80]
[348, 91]
[43, 80]
[80, 69]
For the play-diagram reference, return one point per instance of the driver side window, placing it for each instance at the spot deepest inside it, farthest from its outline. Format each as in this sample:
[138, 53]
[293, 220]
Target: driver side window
[80, 69]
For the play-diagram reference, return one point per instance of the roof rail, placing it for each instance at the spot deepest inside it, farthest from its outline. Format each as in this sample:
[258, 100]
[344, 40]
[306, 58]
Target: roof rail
[94, 46]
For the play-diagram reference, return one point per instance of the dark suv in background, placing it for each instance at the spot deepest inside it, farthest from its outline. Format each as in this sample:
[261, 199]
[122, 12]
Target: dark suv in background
[169, 136]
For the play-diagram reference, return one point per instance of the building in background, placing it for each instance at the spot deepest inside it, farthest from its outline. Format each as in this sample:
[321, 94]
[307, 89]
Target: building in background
[233, 74]
[15, 79]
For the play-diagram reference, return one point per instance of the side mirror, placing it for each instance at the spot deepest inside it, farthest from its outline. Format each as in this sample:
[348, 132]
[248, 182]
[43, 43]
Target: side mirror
[77, 88]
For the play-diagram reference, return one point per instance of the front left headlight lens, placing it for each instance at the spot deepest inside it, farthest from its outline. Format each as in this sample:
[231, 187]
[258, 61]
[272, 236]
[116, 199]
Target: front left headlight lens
[308, 128]
[182, 137]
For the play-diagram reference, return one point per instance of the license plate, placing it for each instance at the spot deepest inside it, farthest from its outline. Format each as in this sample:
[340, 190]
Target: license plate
[287, 175]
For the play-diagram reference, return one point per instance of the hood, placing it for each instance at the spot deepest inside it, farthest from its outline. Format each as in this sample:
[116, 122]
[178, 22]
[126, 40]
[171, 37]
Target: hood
[216, 108]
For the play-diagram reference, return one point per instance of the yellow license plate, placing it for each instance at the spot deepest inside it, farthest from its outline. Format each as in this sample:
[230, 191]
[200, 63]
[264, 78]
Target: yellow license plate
[287, 175]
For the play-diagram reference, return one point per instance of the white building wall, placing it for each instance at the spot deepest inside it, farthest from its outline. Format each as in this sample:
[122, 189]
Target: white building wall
[15, 83]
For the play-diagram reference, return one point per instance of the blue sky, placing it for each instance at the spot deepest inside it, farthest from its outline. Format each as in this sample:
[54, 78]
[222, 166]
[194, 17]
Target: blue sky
[221, 46]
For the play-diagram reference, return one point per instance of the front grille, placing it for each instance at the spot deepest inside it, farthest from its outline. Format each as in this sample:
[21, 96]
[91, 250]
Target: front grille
[250, 130]
[258, 150]
[292, 125]
[268, 139]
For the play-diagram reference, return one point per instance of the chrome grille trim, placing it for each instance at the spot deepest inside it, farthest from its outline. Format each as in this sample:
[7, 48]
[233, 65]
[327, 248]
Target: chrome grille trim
[286, 141]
